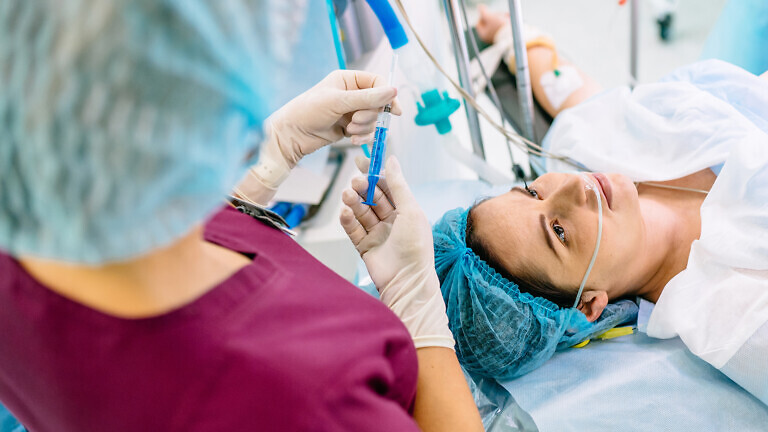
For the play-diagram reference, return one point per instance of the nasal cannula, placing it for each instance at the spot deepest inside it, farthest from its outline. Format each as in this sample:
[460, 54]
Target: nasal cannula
[379, 142]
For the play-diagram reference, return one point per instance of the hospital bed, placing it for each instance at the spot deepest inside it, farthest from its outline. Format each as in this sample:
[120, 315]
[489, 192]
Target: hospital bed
[635, 383]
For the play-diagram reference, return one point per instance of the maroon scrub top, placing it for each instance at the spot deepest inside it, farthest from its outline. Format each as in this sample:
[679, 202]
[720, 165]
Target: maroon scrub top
[284, 344]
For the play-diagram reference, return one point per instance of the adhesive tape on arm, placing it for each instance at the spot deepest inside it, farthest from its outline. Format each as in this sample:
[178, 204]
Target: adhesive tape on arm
[559, 87]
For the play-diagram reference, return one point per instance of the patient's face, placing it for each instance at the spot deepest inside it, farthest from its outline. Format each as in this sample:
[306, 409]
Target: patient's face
[553, 231]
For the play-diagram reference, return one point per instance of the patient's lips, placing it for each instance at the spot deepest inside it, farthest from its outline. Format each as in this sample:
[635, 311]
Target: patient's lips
[605, 188]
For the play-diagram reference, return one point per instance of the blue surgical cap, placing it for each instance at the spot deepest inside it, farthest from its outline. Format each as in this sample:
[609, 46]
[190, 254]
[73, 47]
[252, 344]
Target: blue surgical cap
[124, 123]
[501, 332]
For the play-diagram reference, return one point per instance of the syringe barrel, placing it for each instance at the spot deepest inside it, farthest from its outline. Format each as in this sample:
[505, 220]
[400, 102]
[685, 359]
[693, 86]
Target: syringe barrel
[372, 180]
[383, 119]
[379, 147]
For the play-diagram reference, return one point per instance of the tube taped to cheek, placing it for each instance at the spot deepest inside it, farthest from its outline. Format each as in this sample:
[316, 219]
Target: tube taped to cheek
[559, 87]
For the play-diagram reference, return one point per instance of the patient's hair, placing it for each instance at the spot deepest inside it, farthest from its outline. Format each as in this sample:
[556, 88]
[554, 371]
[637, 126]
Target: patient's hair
[536, 285]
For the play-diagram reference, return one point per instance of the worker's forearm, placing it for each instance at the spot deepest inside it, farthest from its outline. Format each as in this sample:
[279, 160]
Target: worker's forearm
[443, 399]
[260, 183]
[252, 189]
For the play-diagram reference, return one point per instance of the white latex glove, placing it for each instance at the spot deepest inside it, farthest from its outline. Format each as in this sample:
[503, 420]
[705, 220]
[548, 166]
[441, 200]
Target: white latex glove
[345, 103]
[394, 239]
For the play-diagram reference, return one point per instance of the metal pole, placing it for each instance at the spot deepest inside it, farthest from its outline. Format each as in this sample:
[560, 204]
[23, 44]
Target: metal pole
[633, 30]
[523, 78]
[462, 64]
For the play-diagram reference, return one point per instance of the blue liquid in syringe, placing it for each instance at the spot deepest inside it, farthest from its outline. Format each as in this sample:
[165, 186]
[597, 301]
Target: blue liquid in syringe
[377, 153]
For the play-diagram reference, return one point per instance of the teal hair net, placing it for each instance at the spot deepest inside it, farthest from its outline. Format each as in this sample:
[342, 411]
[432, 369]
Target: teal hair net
[501, 332]
[124, 123]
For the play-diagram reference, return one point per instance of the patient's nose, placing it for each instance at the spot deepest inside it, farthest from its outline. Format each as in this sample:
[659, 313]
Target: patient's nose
[569, 193]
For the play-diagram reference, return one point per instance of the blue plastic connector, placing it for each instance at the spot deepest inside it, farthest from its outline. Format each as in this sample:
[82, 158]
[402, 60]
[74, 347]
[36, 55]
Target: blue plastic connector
[281, 208]
[392, 27]
[296, 215]
[436, 110]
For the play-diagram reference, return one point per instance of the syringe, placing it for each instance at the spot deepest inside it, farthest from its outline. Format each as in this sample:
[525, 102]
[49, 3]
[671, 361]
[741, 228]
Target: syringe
[379, 143]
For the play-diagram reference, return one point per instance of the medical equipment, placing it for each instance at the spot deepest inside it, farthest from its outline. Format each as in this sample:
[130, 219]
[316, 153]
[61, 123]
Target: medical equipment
[307, 124]
[559, 84]
[379, 147]
[266, 216]
[435, 106]
[461, 54]
[479, 72]
[590, 186]
[524, 87]
[377, 152]
[400, 258]
[556, 88]
[680, 188]
[523, 143]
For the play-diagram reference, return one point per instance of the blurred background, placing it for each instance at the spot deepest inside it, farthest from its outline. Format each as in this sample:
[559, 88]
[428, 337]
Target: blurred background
[595, 33]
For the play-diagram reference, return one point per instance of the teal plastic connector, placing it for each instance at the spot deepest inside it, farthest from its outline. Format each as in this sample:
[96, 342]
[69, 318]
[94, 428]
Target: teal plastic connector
[436, 110]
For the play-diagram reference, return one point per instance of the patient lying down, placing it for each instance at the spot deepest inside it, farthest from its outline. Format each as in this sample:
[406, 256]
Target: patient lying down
[543, 237]
[683, 189]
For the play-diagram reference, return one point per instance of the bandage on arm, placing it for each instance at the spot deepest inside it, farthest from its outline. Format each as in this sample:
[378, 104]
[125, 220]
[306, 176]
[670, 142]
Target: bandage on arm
[556, 83]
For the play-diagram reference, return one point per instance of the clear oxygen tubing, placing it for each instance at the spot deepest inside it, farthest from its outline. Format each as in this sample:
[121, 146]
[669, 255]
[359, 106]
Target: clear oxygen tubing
[680, 188]
[523, 143]
[590, 185]
[379, 148]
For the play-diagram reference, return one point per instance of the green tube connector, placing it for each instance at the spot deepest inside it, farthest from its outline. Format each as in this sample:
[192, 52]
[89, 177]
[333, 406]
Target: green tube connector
[436, 110]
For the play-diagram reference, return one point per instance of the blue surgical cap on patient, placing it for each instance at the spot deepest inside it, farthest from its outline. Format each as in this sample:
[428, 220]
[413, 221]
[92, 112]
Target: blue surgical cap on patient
[124, 123]
[501, 332]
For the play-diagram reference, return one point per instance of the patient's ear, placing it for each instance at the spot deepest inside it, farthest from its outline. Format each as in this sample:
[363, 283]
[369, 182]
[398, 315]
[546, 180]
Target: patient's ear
[592, 304]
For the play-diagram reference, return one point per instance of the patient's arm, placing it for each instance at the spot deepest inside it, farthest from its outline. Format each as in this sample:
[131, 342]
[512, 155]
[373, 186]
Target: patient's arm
[539, 63]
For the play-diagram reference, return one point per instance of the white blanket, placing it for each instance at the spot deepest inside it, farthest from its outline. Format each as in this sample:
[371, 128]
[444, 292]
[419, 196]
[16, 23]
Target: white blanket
[701, 116]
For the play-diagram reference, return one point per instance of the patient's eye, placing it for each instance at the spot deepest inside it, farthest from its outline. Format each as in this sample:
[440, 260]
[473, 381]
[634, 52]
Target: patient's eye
[559, 231]
[531, 192]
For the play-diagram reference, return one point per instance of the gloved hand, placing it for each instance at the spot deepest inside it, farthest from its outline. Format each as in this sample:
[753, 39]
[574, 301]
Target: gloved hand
[394, 239]
[345, 103]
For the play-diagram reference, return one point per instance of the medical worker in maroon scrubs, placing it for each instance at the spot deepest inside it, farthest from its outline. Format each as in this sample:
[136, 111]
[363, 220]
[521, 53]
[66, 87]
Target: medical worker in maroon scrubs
[133, 298]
